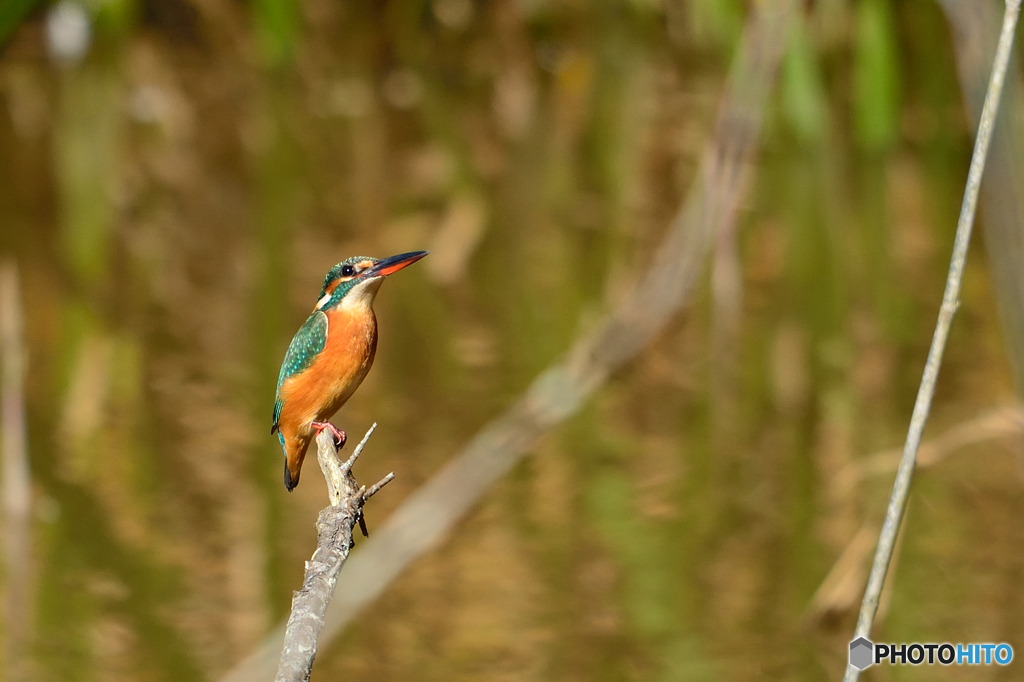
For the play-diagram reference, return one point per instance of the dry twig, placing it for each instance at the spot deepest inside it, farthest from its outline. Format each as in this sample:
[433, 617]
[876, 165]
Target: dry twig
[845, 581]
[999, 422]
[334, 540]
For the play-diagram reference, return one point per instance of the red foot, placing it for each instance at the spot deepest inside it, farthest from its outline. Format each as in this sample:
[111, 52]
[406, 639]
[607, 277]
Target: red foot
[339, 435]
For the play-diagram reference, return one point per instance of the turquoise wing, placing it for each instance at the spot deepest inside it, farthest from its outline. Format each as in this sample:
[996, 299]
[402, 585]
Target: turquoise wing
[308, 342]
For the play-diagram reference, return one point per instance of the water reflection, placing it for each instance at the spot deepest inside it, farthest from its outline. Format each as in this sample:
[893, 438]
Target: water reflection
[173, 202]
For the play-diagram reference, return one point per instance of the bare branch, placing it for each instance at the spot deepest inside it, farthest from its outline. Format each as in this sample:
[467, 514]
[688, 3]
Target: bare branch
[338, 474]
[334, 540]
[844, 584]
[1000, 422]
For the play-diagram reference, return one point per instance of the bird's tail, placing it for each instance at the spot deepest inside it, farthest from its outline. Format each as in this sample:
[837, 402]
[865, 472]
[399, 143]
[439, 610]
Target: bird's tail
[294, 453]
[291, 479]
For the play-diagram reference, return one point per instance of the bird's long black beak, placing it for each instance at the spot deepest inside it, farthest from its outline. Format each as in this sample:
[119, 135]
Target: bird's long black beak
[388, 266]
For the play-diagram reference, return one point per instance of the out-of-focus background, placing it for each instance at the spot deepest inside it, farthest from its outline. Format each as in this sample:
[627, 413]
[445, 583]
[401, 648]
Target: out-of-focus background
[176, 176]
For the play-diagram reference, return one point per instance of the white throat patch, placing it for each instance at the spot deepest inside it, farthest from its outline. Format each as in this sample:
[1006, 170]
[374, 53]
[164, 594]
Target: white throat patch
[361, 296]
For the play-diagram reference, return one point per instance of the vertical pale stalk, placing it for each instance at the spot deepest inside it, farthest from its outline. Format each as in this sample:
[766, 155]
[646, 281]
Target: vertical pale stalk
[16, 485]
[950, 302]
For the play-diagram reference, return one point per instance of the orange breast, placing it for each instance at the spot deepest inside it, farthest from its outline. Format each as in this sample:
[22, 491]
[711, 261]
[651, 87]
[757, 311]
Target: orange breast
[320, 391]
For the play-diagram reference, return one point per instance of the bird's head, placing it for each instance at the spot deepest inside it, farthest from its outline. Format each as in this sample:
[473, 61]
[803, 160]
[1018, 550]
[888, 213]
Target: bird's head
[355, 281]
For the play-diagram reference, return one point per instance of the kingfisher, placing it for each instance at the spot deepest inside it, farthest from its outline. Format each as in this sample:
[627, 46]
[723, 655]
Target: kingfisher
[330, 356]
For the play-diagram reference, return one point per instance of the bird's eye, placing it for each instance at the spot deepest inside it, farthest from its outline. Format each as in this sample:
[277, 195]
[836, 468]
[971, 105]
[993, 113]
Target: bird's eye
[348, 271]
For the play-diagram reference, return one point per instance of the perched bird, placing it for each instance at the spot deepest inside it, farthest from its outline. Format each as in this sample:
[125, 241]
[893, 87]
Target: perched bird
[329, 356]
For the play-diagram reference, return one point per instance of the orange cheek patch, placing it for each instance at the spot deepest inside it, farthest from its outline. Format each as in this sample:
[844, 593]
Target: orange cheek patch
[335, 284]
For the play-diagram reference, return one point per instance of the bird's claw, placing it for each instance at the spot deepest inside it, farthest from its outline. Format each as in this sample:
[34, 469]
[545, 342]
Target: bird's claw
[339, 435]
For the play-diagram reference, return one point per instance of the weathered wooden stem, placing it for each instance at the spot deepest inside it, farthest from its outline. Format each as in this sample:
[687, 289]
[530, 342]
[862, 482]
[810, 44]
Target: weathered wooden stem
[334, 540]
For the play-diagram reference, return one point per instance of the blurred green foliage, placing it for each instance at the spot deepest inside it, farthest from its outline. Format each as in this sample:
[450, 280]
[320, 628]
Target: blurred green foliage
[12, 13]
[876, 76]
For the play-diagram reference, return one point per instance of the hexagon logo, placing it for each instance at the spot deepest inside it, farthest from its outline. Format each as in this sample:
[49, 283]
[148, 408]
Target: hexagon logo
[861, 653]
